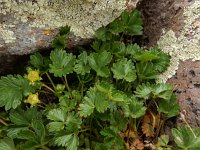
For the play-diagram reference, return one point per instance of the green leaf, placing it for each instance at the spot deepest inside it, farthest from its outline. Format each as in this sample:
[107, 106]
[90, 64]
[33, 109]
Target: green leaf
[64, 30]
[185, 139]
[163, 62]
[146, 56]
[7, 144]
[117, 121]
[67, 104]
[82, 67]
[62, 63]
[98, 62]
[39, 129]
[146, 71]
[70, 141]
[21, 117]
[60, 42]
[143, 91]
[169, 107]
[62, 119]
[124, 69]
[28, 145]
[39, 62]
[73, 122]
[116, 27]
[162, 90]
[93, 99]
[134, 26]
[112, 140]
[135, 108]
[27, 135]
[13, 132]
[133, 50]
[57, 115]
[103, 35]
[55, 126]
[163, 140]
[12, 91]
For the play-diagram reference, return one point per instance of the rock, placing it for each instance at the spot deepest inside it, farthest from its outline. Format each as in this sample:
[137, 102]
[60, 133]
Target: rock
[29, 25]
[186, 84]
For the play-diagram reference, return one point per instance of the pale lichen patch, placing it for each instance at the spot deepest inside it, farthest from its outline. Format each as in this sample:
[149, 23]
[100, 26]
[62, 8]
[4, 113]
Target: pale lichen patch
[7, 35]
[83, 16]
[187, 45]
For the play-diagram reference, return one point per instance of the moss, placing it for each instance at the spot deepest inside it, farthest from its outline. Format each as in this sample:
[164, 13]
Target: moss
[84, 16]
[187, 45]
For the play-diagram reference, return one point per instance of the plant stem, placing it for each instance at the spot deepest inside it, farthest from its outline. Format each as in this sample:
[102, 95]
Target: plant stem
[3, 122]
[51, 80]
[67, 86]
[45, 147]
[183, 118]
[82, 85]
[46, 86]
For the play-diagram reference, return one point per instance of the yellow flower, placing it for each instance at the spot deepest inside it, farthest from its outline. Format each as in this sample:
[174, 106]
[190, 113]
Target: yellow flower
[33, 75]
[32, 99]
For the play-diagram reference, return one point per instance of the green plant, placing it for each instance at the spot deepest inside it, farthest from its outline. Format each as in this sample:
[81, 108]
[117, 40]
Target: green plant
[105, 97]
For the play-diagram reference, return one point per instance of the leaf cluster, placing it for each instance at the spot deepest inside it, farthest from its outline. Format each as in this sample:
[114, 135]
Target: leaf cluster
[92, 100]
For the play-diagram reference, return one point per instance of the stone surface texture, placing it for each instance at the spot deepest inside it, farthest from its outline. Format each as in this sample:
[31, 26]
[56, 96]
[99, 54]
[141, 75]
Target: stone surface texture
[26, 25]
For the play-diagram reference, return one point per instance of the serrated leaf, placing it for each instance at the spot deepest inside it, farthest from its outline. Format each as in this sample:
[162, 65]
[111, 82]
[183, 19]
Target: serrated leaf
[147, 56]
[57, 115]
[86, 108]
[117, 121]
[146, 71]
[28, 145]
[185, 139]
[39, 129]
[169, 107]
[163, 140]
[62, 63]
[67, 104]
[163, 62]
[26, 135]
[103, 34]
[162, 90]
[59, 42]
[64, 30]
[21, 117]
[134, 26]
[94, 99]
[61, 119]
[7, 144]
[70, 141]
[133, 50]
[135, 108]
[12, 90]
[73, 122]
[55, 126]
[12, 132]
[116, 27]
[39, 62]
[124, 69]
[143, 91]
[82, 67]
[98, 62]
[112, 139]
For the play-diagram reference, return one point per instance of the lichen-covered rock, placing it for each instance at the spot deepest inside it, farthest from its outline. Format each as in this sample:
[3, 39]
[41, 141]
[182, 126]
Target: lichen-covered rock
[26, 25]
[184, 45]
